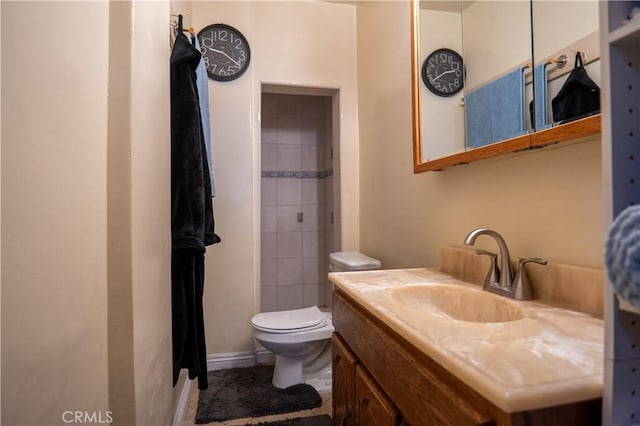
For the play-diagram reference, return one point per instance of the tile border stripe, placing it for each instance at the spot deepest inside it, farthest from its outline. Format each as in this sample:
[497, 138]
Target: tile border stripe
[271, 174]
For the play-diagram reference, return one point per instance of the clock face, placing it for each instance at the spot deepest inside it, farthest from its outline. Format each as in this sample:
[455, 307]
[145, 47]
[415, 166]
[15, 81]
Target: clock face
[443, 72]
[225, 52]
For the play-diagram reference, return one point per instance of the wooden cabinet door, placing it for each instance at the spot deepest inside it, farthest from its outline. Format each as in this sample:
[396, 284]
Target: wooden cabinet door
[373, 408]
[344, 370]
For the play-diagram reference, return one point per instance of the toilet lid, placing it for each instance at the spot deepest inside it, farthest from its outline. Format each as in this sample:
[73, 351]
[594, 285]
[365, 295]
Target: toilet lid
[290, 321]
[353, 261]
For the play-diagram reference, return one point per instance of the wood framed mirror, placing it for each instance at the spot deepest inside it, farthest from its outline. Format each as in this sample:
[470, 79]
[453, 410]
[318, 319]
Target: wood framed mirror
[452, 130]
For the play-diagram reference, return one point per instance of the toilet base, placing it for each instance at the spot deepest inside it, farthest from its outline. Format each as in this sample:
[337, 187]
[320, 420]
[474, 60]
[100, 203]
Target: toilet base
[320, 381]
[287, 371]
[313, 369]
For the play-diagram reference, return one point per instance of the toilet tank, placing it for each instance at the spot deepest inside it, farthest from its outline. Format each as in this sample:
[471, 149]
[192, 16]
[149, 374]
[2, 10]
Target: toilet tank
[352, 261]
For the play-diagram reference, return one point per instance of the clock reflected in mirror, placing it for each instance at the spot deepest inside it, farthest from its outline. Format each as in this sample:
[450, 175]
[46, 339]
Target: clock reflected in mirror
[225, 52]
[443, 72]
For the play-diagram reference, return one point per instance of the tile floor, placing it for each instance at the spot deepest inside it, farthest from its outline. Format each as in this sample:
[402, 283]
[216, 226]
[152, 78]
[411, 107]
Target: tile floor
[325, 408]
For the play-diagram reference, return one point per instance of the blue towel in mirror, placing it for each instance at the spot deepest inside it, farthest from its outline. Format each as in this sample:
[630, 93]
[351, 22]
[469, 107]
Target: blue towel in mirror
[495, 111]
[477, 118]
[507, 106]
[540, 97]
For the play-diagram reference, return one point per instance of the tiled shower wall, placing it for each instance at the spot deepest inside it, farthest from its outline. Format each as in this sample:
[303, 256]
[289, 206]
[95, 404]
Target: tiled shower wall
[296, 200]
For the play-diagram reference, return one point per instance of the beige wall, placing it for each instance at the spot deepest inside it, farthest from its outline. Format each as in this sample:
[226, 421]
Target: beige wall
[151, 214]
[490, 50]
[557, 24]
[546, 203]
[442, 118]
[229, 282]
[54, 283]
[86, 229]
[295, 44]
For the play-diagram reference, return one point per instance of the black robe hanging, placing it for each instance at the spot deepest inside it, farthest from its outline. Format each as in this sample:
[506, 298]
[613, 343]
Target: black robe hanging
[192, 223]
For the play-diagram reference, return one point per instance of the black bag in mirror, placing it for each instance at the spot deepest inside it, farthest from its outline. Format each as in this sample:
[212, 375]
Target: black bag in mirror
[578, 97]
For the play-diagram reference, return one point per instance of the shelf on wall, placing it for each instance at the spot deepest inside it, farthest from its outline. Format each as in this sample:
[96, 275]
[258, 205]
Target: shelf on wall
[628, 33]
[567, 132]
[627, 307]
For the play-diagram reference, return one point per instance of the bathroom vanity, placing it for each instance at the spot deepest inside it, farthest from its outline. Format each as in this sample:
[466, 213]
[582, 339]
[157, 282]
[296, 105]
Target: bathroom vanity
[419, 347]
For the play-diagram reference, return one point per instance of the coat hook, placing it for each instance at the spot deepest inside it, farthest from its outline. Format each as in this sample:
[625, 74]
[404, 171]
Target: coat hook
[583, 56]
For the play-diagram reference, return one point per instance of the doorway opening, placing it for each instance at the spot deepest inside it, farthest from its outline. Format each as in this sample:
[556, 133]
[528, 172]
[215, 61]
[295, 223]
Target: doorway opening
[299, 207]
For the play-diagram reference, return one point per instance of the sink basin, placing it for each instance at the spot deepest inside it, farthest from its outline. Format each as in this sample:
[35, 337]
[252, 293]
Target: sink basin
[458, 303]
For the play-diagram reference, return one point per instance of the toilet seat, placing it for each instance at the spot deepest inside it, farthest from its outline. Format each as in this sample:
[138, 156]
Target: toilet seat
[292, 321]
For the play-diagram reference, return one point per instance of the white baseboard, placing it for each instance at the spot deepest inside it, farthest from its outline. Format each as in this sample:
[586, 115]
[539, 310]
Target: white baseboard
[231, 360]
[264, 355]
[183, 403]
[259, 355]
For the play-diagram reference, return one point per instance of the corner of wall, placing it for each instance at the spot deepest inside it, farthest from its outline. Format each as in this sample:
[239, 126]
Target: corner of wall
[119, 253]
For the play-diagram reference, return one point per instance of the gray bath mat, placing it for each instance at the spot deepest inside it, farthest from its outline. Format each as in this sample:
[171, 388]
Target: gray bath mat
[323, 420]
[247, 392]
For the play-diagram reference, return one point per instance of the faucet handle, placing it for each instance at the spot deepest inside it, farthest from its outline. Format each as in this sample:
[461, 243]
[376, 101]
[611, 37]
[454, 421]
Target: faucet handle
[537, 260]
[493, 276]
[521, 287]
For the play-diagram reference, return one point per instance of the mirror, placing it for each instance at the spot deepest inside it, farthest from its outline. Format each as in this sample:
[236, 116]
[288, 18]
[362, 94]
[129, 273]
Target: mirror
[496, 111]
[560, 30]
[497, 51]
[452, 124]
[441, 117]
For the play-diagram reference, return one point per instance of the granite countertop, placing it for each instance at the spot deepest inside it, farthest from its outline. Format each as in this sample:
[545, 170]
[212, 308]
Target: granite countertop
[550, 356]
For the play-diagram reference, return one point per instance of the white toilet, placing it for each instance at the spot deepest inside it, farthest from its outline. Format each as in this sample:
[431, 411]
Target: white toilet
[301, 338]
[352, 261]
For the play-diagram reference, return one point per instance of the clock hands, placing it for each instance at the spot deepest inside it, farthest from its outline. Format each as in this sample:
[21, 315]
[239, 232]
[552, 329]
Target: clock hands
[220, 51]
[446, 72]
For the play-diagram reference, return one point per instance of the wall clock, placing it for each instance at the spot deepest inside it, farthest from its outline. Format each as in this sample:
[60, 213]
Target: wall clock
[225, 52]
[443, 72]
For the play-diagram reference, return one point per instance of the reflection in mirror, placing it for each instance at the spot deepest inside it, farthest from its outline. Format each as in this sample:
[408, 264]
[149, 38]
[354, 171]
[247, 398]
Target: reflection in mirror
[560, 30]
[495, 60]
[442, 114]
[497, 52]
[496, 113]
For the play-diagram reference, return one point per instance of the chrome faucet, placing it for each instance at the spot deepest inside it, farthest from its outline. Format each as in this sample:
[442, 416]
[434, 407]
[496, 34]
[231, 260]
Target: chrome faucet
[502, 280]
